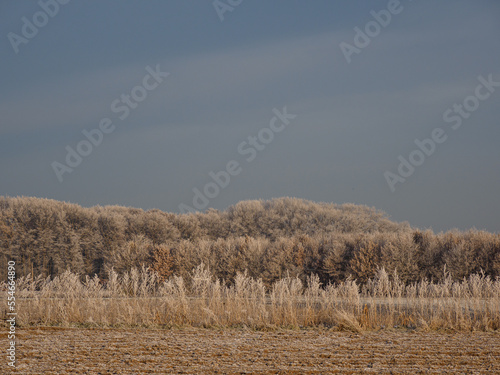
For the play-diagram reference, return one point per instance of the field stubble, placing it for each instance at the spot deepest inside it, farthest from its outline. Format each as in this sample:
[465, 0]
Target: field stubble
[243, 351]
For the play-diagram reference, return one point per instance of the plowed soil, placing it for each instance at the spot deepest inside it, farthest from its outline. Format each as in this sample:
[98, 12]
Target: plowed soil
[239, 351]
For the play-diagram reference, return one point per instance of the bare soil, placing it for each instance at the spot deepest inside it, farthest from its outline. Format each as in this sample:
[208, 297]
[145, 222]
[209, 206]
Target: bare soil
[240, 351]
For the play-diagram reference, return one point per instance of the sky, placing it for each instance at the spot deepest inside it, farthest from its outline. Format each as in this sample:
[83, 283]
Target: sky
[189, 105]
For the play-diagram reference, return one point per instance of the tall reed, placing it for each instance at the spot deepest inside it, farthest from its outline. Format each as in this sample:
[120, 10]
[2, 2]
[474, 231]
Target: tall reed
[139, 298]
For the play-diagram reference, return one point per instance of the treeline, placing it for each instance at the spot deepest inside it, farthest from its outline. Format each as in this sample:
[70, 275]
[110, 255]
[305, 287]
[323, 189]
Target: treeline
[269, 239]
[415, 255]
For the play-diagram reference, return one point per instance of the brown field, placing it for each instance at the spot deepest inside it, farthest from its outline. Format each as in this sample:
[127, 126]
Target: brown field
[241, 351]
[136, 324]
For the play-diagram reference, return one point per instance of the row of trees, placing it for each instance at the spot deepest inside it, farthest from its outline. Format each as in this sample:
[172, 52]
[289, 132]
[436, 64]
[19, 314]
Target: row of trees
[415, 255]
[267, 238]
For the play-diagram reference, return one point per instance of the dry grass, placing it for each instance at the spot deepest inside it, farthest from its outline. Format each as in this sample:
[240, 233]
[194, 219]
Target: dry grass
[139, 298]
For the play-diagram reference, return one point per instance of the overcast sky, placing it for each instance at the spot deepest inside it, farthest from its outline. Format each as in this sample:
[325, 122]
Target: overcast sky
[355, 107]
